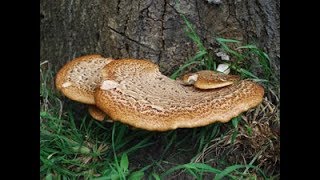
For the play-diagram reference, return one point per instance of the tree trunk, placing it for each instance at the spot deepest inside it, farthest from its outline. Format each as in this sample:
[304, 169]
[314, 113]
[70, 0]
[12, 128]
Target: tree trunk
[153, 29]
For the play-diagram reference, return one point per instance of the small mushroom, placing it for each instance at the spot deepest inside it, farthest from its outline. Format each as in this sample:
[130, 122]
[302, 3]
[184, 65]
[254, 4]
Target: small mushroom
[190, 78]
[96, 113]
[78, 78]
[146, 99]
[207, 79]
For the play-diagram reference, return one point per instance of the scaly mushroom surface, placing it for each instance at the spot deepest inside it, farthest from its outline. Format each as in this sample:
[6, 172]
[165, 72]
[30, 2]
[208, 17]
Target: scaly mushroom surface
[78, 78]
[136, 93]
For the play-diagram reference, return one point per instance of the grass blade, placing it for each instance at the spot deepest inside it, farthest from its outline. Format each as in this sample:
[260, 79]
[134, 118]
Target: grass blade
[250, 46]
[227, 171]
[177, 73]
[156, 176]
[222, 40]
[136, 175]
[200, 167]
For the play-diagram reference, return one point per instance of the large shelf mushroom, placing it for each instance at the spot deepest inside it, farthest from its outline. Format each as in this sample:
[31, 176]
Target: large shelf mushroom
[78, 79]
[135, 92]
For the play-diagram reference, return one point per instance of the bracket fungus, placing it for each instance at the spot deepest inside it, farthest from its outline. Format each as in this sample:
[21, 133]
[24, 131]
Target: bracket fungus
[78, 78]
[139, 95]
[207, 79]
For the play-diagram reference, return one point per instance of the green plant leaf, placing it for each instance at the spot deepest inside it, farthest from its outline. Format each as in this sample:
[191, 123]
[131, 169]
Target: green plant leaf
[266, 55]
[177, 73]
[115, 177]
[124, 162]
[191, 171]
[81, 149]
[103, 178]
[249, 130]
[156, 176]
[235, 122]
[228, 170]
[234, 135]
[137, 175]
[227, 40]
[241, 70]
[203, 167]
[199, 167]
[49, 176]
[44, 114]
[249, 46]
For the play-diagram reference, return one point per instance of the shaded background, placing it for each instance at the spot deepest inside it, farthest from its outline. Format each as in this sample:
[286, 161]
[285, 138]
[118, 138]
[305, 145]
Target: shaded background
[153, 29]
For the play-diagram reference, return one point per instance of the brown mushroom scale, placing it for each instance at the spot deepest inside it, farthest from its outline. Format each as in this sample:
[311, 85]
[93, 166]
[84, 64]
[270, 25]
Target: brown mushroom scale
[146, 99]
[87, 79]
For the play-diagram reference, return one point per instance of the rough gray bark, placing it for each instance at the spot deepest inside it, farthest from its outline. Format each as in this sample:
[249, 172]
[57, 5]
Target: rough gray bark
[152, 29]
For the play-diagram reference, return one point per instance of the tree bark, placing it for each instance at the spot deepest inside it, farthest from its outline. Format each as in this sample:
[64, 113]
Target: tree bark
[153, 29]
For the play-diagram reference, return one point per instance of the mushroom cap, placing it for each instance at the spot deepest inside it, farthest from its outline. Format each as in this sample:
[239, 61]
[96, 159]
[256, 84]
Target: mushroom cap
[96, 113]
[78, 78]
[207, 79]
[146, 99]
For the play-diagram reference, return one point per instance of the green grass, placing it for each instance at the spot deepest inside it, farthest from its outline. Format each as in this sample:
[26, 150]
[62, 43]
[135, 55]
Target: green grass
[201, 60]
[240, 61]
[73, 145]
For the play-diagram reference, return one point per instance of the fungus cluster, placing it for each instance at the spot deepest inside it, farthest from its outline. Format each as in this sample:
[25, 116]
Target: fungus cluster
[135, 92]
